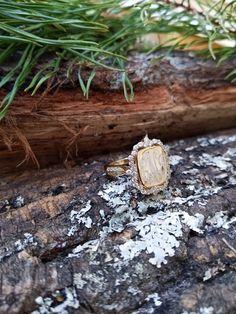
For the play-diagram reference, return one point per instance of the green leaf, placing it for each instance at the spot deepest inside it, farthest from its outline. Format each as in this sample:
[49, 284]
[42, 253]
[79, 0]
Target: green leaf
[41, 81]
[91, 77]
[81, 82]
[127, 87]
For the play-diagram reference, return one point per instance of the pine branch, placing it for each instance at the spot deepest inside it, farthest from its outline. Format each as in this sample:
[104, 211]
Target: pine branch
[101, 34]
[201, 9]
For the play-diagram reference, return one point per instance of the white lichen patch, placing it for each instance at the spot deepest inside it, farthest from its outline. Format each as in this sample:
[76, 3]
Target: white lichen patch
[23, 243]
[152, 302]
[220, 220]
[133, 291]
[158, 235]
[175, 160]
[76, 215]
[78, 281]
[96, 282]
[195, 222]
[90, 246]
[228, 223]
[155, 298]
[72, 230]
[17, 246]
[213, 271]
[209, 273]
[202, 310]
[231, 152]
[78, 218]
[19, 201]
[188, 149]
[216, 140]
[46, 304]
[117, 195]
[111, 307]
[221, 162]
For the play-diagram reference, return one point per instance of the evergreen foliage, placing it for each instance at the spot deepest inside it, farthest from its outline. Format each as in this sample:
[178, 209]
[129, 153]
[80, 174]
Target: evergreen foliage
[101, 33]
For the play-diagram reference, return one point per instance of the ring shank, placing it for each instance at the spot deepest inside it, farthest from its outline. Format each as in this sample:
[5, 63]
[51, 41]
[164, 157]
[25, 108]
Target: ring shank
[117, 168]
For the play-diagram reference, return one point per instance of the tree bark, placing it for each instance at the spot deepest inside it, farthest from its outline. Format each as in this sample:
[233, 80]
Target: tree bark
[72, 241]
[175, 96]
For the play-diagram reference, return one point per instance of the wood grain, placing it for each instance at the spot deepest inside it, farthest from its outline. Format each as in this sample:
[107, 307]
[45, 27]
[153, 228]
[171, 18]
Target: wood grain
[176, 96]
[52, 261]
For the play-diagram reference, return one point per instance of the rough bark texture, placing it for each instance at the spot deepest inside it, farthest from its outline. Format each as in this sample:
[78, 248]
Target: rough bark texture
[72, 241]
[174, 96]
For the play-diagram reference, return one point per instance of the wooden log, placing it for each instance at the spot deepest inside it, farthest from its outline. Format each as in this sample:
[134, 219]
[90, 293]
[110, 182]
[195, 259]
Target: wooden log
[175, 96]
[72, 241]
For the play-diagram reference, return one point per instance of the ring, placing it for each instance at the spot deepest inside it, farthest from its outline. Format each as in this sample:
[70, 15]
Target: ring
[148, 165]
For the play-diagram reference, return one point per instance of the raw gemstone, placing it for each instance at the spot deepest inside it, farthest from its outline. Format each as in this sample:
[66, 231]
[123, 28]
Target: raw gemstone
[152, 166]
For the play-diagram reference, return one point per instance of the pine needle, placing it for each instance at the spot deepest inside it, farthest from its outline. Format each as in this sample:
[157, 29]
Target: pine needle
[98, 33]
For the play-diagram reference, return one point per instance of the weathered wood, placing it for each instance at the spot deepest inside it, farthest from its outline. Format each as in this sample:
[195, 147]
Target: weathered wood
[72, 241]
[175, 96]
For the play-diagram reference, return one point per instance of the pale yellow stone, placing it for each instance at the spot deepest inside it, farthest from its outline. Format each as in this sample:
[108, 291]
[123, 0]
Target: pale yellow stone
[152, 166]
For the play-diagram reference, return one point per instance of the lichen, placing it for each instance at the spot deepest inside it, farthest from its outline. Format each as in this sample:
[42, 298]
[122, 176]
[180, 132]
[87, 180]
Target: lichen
[153, 226]
[216, 140]
[117, 194]
[17, 246]
[220, 220]
[189, 148]
[19, 201]
[155, 298]
[46, 305]
[213, 271]
[202, 310]
[78, 281]
[23, 243]
[221, 162]
[133, 291]
[175, 159]
[152, 302]
[91, 246]
[78, 218]
[159, 235]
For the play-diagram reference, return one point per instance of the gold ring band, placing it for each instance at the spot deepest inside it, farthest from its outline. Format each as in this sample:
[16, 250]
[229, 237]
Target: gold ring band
[117, 168]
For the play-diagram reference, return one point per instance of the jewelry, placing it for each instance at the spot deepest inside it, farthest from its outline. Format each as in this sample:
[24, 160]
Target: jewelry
[148, 165]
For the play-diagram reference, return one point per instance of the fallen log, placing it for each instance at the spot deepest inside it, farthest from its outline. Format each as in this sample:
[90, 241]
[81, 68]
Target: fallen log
[175, 96]
[72, 241]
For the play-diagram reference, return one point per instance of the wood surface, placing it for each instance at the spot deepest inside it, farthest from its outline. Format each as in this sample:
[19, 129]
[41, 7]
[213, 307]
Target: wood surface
[175, 96]
[73, 241]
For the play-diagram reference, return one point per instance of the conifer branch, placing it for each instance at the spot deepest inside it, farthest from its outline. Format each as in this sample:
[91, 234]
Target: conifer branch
[102, 33]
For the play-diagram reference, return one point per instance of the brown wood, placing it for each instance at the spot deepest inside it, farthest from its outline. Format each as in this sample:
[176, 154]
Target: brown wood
[63, 231]
[174, 97]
